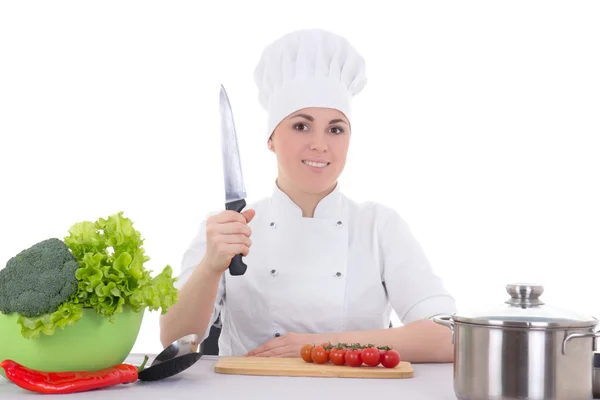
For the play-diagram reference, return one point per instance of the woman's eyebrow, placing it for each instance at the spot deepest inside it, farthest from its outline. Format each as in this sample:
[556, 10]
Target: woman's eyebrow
[311, 119]
[305, 116]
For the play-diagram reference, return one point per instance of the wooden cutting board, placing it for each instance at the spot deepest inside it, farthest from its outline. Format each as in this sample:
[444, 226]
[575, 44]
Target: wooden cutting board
[277, 366]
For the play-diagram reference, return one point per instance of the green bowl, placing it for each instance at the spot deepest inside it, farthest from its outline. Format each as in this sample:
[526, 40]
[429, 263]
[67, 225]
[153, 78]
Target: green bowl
[92, 343]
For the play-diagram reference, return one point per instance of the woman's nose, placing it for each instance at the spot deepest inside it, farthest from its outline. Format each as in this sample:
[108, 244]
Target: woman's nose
[318, 143]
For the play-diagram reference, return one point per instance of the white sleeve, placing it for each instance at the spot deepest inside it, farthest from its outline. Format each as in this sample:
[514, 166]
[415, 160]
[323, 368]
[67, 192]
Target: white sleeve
[191, 258]
[415, 291]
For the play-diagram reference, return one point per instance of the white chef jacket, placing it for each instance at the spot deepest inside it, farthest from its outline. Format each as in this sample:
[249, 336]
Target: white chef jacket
[345, 269]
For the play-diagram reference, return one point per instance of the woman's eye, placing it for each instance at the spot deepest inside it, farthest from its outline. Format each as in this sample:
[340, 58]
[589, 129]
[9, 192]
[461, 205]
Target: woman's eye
[300, 127]
[336, 130]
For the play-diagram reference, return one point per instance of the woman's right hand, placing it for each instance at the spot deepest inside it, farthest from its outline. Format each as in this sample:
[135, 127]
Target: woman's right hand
[227, 234]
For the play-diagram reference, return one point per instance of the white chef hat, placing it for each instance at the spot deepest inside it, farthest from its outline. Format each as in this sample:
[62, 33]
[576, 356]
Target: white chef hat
[308, 68]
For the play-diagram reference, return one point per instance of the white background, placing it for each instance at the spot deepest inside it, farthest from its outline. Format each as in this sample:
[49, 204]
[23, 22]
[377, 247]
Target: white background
[479, 124]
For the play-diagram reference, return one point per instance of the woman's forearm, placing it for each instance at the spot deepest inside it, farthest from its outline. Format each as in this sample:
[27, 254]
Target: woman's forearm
[419, 341]
[191, 314]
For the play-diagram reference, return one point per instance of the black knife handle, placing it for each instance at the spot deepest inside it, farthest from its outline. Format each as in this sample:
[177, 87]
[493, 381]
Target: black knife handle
[237, 266]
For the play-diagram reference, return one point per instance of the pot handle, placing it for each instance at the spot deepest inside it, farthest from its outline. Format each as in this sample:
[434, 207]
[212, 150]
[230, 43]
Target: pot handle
[578, 335]
[444, 320]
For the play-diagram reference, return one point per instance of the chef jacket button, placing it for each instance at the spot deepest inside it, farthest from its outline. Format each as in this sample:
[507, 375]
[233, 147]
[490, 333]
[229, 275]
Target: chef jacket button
[272, 224]
[339, 223]
[273, 272]
[338, 274]
[277, 334]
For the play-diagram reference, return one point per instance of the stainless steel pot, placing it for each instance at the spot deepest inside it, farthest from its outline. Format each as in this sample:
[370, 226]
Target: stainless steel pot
[596, 376]
[523, 349]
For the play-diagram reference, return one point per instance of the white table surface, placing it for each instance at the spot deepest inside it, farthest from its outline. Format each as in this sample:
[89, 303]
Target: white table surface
[200, 382]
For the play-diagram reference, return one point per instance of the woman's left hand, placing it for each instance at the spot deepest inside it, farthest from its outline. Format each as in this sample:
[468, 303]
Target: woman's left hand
[288, 345]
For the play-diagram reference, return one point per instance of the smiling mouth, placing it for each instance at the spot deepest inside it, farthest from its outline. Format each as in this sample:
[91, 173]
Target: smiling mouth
[316, 164]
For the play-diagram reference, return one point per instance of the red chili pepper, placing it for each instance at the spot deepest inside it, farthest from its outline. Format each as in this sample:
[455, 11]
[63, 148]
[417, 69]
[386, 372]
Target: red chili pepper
[69, 382]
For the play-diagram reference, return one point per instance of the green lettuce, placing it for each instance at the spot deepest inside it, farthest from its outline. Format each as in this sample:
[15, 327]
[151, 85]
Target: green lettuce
[111, 276]
[67, 314]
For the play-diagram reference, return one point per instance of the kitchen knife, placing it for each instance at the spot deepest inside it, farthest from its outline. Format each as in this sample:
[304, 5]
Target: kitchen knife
[235, 192]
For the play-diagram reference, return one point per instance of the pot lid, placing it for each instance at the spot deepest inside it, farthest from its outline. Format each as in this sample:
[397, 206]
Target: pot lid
[524, 309]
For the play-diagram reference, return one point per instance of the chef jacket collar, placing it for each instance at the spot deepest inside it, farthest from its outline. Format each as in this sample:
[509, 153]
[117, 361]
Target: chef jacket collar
[329, 207]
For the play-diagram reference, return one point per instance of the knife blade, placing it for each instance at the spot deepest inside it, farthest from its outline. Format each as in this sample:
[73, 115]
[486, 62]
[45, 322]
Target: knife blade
[235, 191]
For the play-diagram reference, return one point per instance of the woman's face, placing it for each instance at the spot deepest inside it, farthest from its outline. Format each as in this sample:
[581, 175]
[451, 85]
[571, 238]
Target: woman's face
[311, 146]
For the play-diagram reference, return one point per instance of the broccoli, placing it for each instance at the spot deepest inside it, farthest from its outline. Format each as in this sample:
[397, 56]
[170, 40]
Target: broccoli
[38, 279]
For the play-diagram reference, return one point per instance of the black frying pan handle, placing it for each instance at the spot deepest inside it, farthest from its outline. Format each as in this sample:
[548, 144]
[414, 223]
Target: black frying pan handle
[237, 266]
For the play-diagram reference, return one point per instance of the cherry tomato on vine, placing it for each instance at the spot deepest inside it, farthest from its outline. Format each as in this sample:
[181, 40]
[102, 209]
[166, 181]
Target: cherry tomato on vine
[319, 355]
[305, 352]
[370, 356]
[337, 356]
[390, 358]
[353, 358]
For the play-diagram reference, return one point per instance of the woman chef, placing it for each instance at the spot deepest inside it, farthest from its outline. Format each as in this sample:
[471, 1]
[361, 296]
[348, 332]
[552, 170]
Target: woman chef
[322, 268]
